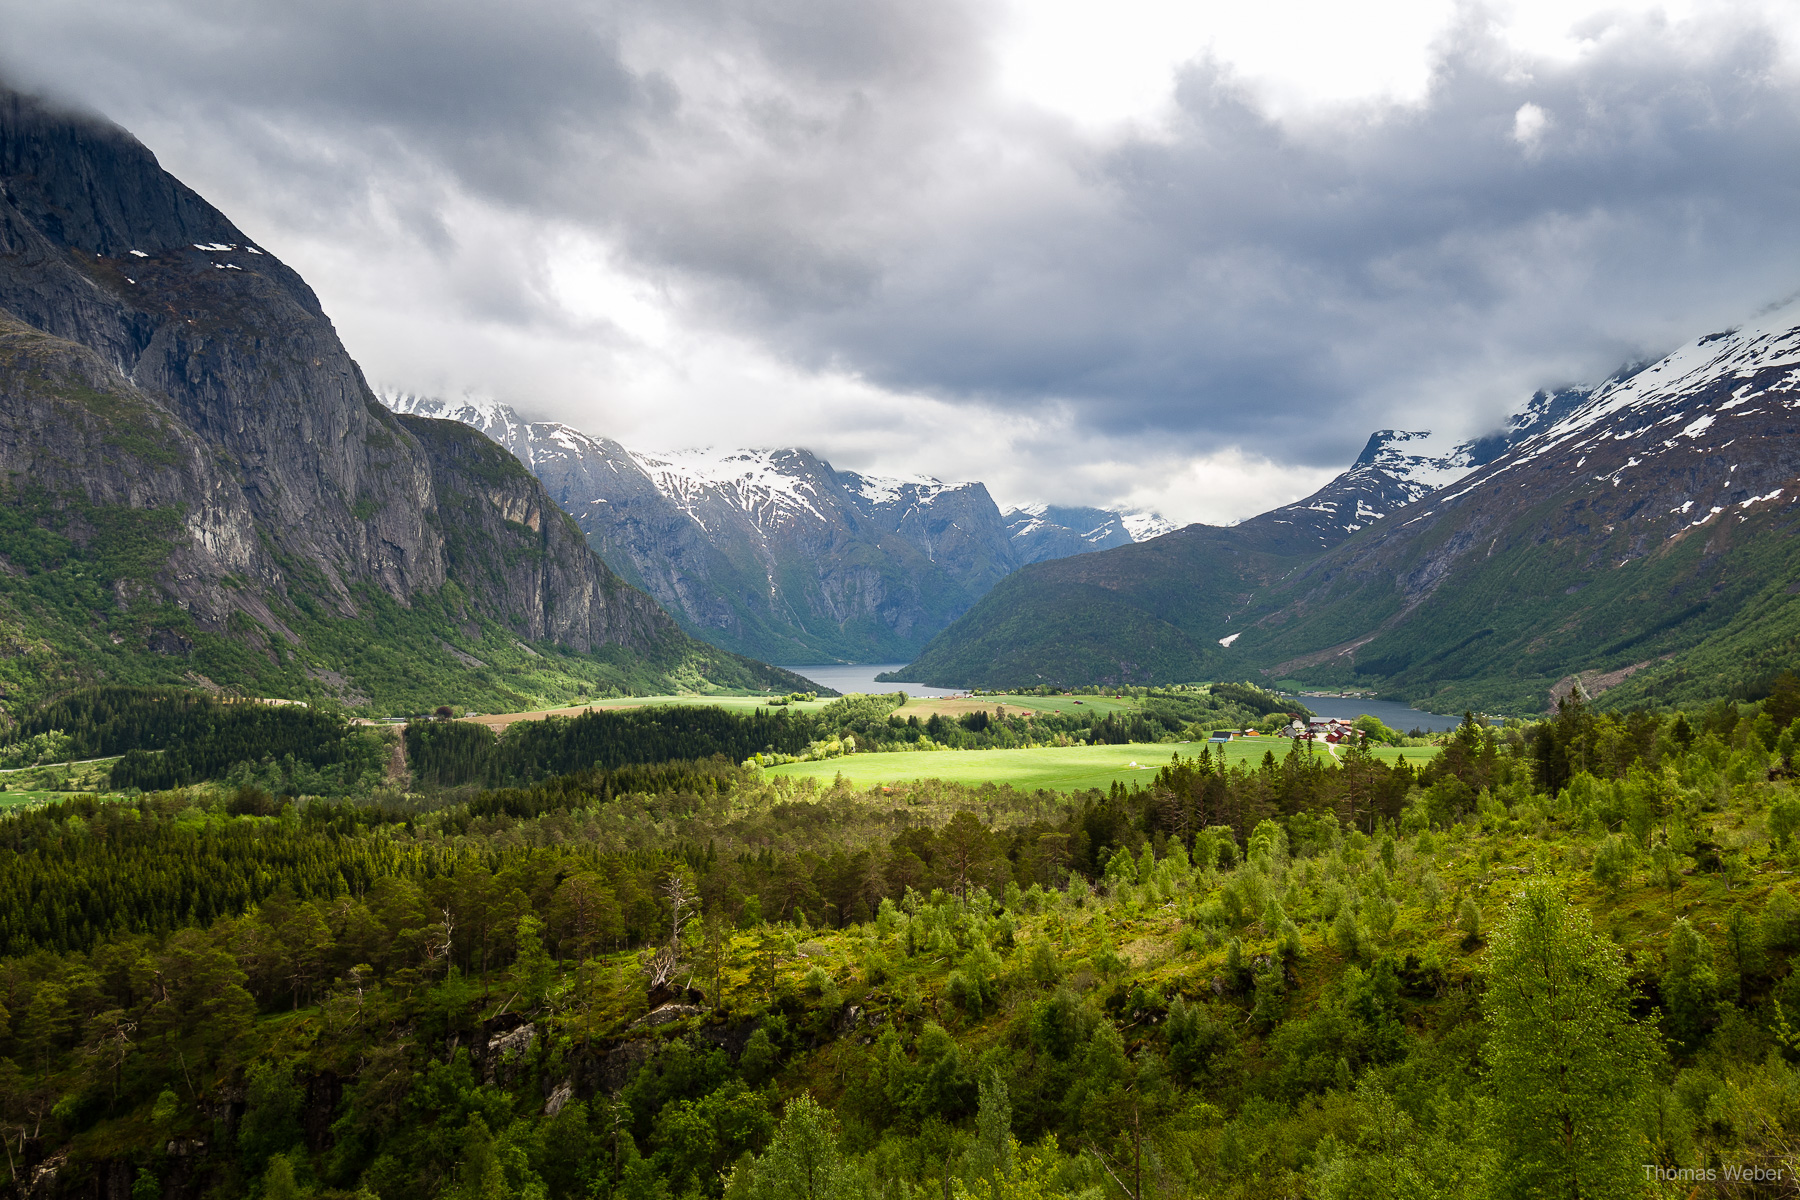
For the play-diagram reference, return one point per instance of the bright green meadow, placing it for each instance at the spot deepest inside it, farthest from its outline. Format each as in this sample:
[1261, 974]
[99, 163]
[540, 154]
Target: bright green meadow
[1055, 768]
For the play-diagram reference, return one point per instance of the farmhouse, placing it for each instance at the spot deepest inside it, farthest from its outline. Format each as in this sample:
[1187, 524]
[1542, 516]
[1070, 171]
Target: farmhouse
[1323, 729]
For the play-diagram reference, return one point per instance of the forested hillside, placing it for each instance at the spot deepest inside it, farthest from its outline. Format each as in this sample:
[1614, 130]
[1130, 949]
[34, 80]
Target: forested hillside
[681, 980]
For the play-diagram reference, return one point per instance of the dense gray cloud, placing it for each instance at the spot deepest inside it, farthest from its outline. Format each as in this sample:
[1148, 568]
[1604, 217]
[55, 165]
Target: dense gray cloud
[841, 189]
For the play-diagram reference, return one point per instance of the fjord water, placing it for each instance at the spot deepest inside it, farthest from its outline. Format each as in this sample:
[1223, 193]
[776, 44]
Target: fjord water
[1393, 714]
[860, 677]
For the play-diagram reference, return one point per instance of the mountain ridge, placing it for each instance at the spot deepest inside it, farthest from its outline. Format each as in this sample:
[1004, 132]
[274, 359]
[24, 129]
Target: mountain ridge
[775, 552]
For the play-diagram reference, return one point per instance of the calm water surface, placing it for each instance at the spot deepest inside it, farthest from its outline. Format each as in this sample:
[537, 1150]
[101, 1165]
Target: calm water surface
[1393, 714]
[860, 677]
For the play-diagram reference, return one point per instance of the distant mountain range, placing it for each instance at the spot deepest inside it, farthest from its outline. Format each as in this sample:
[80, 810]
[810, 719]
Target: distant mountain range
[201, 488]
[1638, 535]
[778, 555]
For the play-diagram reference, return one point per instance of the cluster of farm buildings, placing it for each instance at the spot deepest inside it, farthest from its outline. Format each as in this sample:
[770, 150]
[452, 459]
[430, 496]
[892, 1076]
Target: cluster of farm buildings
[1319, 729]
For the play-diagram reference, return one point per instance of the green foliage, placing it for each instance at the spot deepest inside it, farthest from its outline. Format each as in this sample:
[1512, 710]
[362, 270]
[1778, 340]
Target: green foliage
[1784, 820]
[1612, 863]
[803, 1161]
[1568, 1067]
[1690, 987]
[271, 1123]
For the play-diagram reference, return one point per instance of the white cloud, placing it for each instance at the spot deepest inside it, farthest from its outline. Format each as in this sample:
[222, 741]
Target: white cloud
[1529, 124]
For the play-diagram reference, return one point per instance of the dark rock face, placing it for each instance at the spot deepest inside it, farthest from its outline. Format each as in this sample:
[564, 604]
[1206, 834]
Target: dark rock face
[548, 585]
[155, 361]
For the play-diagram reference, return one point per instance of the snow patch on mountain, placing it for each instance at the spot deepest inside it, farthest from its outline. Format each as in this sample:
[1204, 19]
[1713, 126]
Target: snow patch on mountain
[1752, 352]
[761, 483]
[773, 487]
[1142, 526]
[883, 490]
[1418, 458]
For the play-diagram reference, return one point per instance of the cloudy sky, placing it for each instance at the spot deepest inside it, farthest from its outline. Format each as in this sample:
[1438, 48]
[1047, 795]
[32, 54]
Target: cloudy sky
[1181, 256]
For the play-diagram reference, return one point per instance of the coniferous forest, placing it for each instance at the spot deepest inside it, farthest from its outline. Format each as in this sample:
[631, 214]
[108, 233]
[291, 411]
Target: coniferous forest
[1544, 960]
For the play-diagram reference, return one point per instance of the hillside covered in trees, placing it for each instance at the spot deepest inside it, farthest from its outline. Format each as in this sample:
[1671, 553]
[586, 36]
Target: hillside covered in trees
[682, 980]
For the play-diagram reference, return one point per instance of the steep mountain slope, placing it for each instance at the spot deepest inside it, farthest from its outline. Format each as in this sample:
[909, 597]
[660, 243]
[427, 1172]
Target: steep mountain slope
[202, 487]
[1176, 607]
[1644, 540]
[776, 553]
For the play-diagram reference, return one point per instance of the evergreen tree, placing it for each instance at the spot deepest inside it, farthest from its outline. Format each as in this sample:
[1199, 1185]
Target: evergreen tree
[1690, 987]
[532, 969]
[803, 1161]
[1566, 1063]
[991, 1156]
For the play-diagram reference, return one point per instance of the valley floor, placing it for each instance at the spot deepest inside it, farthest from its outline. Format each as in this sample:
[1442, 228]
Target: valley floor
[921, 707]
[1057, 768]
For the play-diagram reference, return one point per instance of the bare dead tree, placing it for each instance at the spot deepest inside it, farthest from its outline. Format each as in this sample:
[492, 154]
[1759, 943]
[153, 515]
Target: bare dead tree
[663, 965]
[435, 950]
[681, 898]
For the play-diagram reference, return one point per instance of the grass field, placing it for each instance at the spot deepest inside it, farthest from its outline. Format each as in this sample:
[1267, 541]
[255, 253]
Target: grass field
[27, 798]
[735, 703]
[21, 787]
[1062, 768]
[923, 707]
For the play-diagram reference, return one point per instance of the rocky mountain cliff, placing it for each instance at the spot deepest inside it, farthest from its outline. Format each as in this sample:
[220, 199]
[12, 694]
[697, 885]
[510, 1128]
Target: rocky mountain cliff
[1488, 574]
[204, 488]
[777, 554]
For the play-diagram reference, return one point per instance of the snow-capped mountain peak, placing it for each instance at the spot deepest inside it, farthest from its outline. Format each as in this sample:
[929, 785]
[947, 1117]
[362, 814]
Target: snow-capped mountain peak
[1688, 401]
[776, 553]
[527, 440]
[884, 490]
[1142, 526]
[1751, 352]
[761, 483]
[1408, 455]
[1045, 531]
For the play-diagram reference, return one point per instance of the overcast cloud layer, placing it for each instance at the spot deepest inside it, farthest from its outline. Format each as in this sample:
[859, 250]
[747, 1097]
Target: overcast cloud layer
[807, 222]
